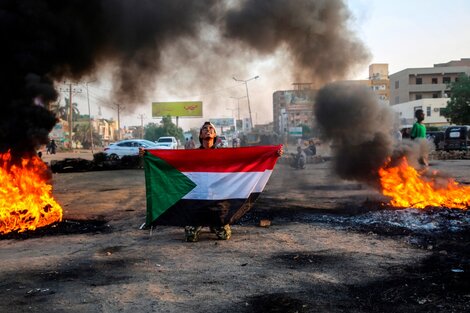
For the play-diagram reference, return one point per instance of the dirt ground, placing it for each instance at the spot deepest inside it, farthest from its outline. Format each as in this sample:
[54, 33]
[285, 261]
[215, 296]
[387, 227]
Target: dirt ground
[98, 260]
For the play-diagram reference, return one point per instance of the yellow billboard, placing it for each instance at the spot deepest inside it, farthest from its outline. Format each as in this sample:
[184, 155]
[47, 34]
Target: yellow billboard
[183, 109]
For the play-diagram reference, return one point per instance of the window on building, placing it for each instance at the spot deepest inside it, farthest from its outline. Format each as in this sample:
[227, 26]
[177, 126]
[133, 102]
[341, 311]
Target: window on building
[456, 79]
[428, 111]
[419, 80]
[446, 80]
[418, 96]
[441, 111]
[434, 80]
[397, 84]
[435, 95]
[397, 99]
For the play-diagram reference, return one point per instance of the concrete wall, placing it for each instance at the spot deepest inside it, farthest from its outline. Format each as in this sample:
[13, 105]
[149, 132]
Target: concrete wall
[431, 107]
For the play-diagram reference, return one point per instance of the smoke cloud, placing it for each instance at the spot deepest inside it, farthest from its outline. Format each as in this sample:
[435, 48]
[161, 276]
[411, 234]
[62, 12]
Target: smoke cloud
[358, 127]
[49, 41]
[314, 34]
[360, 131]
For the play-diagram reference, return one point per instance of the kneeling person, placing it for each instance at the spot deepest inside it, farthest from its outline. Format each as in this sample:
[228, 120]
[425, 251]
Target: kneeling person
[207, 138]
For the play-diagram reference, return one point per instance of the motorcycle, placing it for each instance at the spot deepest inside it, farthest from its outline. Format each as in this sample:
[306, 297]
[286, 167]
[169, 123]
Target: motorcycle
[299, 159]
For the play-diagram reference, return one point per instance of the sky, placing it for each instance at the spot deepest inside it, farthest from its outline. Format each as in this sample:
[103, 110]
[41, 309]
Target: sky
[404, 34]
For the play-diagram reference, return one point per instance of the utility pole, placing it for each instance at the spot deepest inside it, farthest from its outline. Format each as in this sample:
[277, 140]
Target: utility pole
[70, 90]
[141, 116]
[118, 109]
[71, 115]
[89, 116]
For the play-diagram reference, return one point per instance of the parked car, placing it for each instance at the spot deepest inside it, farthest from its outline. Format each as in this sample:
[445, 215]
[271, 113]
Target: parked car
[167, 142]
[222, 142]
[436, 137]
[457, 138]
[128, 147]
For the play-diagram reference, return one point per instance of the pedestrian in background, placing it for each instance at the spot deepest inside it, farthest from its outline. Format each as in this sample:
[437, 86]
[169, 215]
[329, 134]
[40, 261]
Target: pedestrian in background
[418, 133]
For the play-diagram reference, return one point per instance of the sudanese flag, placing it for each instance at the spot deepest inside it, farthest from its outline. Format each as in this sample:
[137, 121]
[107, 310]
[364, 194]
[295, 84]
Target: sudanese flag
[207, 187]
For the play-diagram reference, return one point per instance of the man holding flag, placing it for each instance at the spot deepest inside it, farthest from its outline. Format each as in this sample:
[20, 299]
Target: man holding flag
[205, 188]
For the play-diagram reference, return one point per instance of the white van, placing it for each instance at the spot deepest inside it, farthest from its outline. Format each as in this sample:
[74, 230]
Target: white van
[167, 142]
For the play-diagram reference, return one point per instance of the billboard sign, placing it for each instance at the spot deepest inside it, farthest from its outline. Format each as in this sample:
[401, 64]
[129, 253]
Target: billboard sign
[182, 109]
[297, 97]
[222, 122]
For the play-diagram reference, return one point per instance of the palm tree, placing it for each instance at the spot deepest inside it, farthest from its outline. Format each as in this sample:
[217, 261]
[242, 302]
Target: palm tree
[58, 110]
[75, 110]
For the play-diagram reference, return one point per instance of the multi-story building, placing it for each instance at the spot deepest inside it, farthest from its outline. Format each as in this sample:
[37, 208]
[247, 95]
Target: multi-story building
[293, 108]
[379, 82]
[426, 83]
[107, 129]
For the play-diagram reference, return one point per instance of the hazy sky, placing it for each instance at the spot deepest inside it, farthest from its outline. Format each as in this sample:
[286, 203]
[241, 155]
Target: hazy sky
[414, 33]
[404, 34]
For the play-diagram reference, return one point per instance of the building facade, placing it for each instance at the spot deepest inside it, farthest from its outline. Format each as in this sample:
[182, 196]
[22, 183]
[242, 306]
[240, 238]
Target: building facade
[378, 82]
[426, 83]
[433, 112]
[293, 108]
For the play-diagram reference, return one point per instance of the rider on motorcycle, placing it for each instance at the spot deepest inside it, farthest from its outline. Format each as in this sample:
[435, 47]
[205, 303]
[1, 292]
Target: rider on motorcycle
[299, 159]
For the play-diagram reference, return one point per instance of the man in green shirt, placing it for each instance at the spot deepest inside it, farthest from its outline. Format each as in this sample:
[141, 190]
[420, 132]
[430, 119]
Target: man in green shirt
[419, 129]
[418, 132]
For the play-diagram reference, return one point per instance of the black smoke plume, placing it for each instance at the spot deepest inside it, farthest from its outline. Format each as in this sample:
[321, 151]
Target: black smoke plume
[314, 33]
[359, 128]
[48, 41]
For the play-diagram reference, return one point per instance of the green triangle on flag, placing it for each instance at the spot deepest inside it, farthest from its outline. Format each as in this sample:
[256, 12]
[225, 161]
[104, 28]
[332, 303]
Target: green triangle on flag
[165, 186]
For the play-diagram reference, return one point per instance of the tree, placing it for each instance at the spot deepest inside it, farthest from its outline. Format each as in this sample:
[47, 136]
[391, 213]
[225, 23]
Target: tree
[167, 128]
[458, 106]
[59, 110]
[75, 110]
[82, 134]
[152, 132]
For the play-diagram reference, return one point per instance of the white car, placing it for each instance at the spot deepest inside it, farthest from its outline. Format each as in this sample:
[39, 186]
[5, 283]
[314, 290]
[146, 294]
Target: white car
[128, 147]
[167, 143]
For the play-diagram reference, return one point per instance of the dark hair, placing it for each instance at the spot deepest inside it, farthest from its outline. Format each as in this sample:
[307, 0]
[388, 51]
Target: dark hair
[418, 113]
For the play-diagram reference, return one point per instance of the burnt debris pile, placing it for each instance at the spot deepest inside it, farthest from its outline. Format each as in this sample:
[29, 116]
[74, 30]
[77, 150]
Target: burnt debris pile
[100, 162]
[65, 227]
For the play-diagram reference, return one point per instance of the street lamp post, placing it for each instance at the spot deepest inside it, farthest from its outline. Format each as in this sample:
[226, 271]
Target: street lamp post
[247, 96]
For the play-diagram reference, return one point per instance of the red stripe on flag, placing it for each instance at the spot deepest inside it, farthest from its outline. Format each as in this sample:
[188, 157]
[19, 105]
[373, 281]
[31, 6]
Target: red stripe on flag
[244, 159]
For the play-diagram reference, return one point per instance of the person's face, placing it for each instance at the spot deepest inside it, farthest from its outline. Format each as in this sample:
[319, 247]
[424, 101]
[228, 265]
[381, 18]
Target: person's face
[207, 132]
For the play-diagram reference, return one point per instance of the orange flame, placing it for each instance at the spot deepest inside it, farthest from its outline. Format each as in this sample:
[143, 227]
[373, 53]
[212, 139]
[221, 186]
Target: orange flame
[25, 197]
[407, 188]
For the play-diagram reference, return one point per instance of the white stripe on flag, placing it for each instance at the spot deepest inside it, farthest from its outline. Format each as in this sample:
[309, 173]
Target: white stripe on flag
[220, 186]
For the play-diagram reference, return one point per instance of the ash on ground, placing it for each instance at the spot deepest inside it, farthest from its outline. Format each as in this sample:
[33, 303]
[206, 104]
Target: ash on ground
[418, 221]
